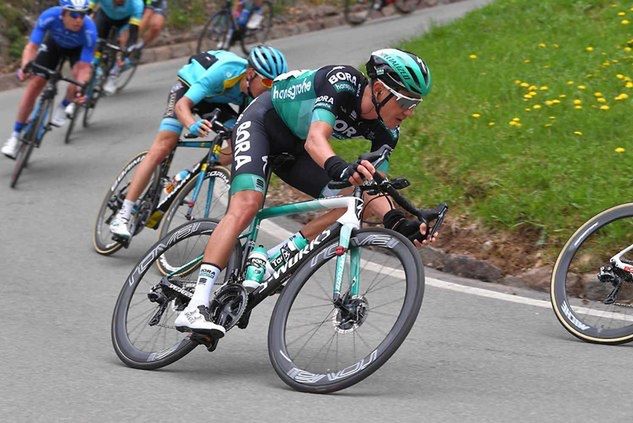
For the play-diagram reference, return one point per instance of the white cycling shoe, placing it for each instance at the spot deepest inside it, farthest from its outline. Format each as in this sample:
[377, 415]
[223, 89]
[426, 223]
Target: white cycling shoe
[59, 116]
[110, 85]
[119, 227]
[197, 319]
[70, 110]
[10, 148]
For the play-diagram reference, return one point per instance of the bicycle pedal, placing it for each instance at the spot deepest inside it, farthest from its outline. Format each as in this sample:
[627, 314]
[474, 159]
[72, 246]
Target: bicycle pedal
[125, 242]
[207, 341]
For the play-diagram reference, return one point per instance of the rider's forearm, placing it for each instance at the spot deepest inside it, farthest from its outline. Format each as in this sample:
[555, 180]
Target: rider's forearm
[81, 71]
[29, 53]
[319, 148]
[183, 111]
[133, 35]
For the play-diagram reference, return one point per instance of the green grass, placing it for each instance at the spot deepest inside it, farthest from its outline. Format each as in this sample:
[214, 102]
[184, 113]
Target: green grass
[557, 168]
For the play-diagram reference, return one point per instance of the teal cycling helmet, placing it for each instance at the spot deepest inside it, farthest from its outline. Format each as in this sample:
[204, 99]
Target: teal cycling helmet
[267, 61]
[75, 5]
[400, 71]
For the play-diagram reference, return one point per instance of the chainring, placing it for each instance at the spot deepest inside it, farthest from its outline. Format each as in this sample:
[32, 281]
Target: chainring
[229, 305]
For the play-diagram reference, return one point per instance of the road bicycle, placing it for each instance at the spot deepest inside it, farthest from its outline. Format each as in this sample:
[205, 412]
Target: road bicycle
[219, 31]
[357, 12]
[202, 192]
[39, 122]
[592, 281]
[347, 300]
[105, 59]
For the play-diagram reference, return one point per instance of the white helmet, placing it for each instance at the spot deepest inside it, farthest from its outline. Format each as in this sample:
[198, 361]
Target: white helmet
[75, 5]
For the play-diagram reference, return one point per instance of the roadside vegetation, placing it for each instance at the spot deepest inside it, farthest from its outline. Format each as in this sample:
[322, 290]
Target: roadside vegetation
[527, 129]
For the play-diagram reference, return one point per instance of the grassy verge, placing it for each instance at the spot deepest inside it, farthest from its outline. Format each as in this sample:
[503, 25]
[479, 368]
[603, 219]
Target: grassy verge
[527, 128]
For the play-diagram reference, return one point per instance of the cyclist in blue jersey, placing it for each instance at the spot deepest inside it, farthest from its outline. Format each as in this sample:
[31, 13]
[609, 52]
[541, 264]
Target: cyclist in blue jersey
[61, 32]
[153, 19]
[302, 112]
[213, 79]
[118, 15]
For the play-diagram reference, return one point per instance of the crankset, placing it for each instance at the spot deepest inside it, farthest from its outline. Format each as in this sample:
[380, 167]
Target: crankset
[229, 305]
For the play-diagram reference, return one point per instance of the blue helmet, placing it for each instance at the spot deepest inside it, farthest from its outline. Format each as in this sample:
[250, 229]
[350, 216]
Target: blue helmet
[75, 5]
[267, 61]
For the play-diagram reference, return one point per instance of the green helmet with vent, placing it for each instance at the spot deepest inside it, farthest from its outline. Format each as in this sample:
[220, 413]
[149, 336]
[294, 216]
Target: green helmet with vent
[400, 71]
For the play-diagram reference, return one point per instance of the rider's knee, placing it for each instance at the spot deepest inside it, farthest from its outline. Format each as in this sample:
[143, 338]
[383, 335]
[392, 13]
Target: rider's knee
[164, 143]
[245, 205]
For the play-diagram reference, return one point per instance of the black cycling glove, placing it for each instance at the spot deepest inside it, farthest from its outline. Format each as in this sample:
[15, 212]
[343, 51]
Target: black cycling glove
[396, 220]
[338, 169]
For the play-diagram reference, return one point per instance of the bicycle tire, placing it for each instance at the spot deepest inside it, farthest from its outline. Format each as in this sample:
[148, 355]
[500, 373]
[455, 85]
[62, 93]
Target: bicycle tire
[356, 12]
[71, 124]
[578, 296]
[406, 6]
[102, 238]
[28, 143]
[96, 85]
[126, 76]
[261, 34]
[214, 32]
[126, 344]
[172, 218]
[381, 244]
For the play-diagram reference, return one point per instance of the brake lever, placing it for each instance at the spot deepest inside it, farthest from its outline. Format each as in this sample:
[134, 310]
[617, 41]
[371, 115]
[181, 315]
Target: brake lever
[441, 214]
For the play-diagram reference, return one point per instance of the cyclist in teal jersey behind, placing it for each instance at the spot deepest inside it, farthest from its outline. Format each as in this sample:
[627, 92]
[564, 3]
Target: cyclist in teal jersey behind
[301, 113]
[214, 79]
[120, 15]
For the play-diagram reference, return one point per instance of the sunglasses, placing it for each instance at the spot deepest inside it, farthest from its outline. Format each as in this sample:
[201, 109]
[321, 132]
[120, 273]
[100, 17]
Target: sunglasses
[406, 103]
[266, 82]
[77, 15]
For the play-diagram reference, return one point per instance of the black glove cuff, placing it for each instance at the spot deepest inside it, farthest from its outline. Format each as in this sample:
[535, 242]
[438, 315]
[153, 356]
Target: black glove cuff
[392, 217]
[335, 166]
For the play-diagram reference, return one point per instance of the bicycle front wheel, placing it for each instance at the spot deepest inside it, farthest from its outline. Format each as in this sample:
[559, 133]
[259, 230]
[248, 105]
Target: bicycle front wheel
[128, 72]
[185, 209]
[112, 202]
[143, 331]
[319, 347]
[31, 138]
[591, 297]
[214, 32]
[258, 27]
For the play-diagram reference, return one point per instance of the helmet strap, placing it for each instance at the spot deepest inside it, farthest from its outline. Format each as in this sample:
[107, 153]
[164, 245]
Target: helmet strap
[378, 105]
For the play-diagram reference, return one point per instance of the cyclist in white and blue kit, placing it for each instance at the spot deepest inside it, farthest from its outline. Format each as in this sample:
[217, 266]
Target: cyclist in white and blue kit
[61, 32]
[211, 80]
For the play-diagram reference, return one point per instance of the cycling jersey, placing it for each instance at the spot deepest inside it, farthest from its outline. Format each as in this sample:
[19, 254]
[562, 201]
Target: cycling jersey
[131, 9]
[50, 21]
[210, 80]
[214, 77]
[279, 121]
[158, 6]
[331, 94]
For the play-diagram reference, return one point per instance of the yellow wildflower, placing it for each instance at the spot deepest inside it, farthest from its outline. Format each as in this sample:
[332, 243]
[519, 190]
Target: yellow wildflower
[578, 133]
[525, 84]
[526, 61]
[472, 57]
[577, 102]
[625, 22]
[516, 119]
[552, 117]
[556, 101]
[598, 94]
[621, 97]
[543, 88]
[542, 45]
[627, 49]
[581, 87]
[629, 84]
[491, 124]
[620, 150]
[578, 107]
[601, 100]
[547, 125]
[563, 96]
[604, 107]
[589, 49]
[619, 76]
[548, 102]
[517, 82]
[476, 115]
[536, 106]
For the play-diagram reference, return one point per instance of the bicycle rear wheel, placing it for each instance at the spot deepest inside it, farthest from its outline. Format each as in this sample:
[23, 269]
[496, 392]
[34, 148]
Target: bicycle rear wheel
[214, 32]
[143, 331]
[356, 12]
[593, 299]
[112, 202]
[406, 6]
[258, 27]
[318, 347]
[183, 209]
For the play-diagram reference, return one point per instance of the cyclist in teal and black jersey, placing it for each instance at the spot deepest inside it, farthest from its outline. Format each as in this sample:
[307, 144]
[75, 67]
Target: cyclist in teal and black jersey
[214, 79]
[299, 115]
[119, 15]
[153, 19]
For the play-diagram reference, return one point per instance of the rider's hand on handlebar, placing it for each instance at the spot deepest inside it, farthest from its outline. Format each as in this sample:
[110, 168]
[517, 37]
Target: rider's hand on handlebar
[413, 229]
[21, 75]
[200, 128]
[354, 173]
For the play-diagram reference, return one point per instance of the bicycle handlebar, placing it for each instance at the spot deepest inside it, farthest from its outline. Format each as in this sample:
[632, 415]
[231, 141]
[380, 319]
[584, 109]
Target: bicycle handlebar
[53, 74]
[217, 126]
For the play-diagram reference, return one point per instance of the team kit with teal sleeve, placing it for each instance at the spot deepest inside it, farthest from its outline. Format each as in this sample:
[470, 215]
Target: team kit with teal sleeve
[279, 121]
[210, 80]
[131, 9]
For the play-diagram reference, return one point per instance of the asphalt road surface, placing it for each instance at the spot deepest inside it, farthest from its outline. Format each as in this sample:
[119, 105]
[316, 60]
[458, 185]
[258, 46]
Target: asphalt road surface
[477, 353]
